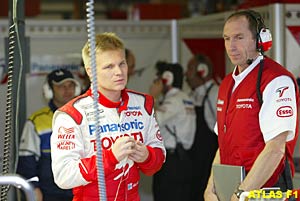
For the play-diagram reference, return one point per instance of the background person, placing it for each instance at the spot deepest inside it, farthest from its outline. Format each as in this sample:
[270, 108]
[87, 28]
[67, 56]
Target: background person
[176, 117]
[199, 76]
[257, 116]
[34, 151]
[130, 59]
[130, 135]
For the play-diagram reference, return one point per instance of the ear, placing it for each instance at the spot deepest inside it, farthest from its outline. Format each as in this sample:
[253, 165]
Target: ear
[88, 71]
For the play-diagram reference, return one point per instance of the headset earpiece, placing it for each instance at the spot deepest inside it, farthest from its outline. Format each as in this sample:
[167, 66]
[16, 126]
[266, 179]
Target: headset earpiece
[77, 88]
[264, 40]
[47, 91]
[263, 34]
[168, 78]
[202, 70]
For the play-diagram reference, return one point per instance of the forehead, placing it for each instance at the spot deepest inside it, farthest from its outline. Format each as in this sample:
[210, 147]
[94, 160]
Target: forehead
[236, 25]
[65, 83]
[192, 63]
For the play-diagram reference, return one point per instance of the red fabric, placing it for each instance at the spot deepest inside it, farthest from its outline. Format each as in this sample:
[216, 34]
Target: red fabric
[151, 164]
[240, 142]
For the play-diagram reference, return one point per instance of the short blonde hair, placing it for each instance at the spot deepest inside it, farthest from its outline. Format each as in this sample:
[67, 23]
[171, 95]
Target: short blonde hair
[105, 41]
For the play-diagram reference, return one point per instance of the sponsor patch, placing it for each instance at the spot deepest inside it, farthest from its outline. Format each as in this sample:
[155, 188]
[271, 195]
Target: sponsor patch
[284, 111]
[243, 106]
[281, 91]
[158, 135]
[65, 145]
[133, 113]
[220, 102]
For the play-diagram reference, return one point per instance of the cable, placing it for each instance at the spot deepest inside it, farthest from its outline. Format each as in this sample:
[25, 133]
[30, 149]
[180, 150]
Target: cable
[92, 47]
[14, 39]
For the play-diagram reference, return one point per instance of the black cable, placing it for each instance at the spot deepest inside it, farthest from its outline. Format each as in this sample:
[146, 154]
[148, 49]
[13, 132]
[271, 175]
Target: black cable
[258, 81]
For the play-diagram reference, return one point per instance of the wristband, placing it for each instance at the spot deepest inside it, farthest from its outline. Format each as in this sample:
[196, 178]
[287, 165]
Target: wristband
[238, 192]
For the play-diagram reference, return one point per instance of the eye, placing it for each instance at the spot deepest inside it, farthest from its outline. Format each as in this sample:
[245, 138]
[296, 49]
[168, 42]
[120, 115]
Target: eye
[226, 38]
[123, 64]
[107, 67]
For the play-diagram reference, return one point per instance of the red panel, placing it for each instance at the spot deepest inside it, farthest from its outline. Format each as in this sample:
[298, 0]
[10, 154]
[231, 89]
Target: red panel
[32, 8]
[295, 30]
[256, 3]
[159, 11]
[214, 49]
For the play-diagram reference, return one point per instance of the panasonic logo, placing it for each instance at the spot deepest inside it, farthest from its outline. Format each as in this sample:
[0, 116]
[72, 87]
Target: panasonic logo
[132, 125]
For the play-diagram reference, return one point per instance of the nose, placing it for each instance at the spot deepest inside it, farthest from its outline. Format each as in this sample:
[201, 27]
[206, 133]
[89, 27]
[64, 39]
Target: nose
[231, 44]
[117, 70]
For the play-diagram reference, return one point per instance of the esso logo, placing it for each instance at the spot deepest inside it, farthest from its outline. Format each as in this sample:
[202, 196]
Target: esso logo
[285, 111]
[133, 113]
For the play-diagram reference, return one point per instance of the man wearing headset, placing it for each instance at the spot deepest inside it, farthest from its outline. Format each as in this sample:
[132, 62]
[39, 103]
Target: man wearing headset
[34, 152]
[176, 117]
[256, 109]
[199, 76]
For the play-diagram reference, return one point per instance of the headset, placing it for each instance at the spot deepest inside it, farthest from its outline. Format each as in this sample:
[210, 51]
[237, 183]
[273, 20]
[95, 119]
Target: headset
[263, 34]
[202, 70]
[204, 66]
[263, 43]
[167, 78]
[48, 91]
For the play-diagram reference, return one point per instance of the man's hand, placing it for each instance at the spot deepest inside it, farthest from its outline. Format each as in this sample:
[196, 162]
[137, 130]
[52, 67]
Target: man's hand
[210, 196]
[140, 153]
[234, 198]
[38, 194]
[123, 147]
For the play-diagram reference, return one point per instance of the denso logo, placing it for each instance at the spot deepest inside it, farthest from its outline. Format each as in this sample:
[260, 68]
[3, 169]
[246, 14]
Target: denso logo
[133, 113]
[284, 111]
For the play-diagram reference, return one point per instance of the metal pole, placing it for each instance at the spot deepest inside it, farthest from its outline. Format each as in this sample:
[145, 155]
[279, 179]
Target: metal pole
[278, 25]
[174, 41]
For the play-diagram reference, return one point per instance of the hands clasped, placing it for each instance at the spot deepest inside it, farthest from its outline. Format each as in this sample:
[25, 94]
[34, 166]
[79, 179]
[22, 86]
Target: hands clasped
[128, 147]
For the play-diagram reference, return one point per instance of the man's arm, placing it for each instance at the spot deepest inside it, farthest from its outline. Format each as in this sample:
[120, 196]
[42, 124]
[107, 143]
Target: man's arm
[210, 192]
[266, 163]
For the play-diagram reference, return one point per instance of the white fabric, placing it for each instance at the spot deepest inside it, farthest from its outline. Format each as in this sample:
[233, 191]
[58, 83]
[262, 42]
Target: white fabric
[198, 95]
[177, 112]
[70, 142]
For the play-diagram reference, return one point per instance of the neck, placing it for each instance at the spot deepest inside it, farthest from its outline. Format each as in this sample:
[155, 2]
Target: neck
[114, 96]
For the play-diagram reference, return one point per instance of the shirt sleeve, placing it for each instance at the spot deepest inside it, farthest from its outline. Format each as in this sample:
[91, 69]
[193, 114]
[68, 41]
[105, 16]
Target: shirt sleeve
[66, 153]
[279, 109]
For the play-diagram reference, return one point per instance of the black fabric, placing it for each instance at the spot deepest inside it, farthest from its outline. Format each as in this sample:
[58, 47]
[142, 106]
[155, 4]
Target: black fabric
[181, 152]
[202, 155]
[173, 181]
[285, 181]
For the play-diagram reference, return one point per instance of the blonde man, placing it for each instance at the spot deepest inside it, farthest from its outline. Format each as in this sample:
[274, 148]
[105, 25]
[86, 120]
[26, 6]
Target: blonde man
[130, 135]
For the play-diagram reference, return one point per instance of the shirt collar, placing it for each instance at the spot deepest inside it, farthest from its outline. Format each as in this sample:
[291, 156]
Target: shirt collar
[242, 75]
[172, 91]
[52, 105]
[120, 105]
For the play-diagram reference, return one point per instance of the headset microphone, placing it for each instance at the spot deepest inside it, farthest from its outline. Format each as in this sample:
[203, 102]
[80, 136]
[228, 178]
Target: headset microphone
[249, 61]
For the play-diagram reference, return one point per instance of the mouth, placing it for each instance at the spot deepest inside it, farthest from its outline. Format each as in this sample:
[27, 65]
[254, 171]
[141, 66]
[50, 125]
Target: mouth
[120, 81]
